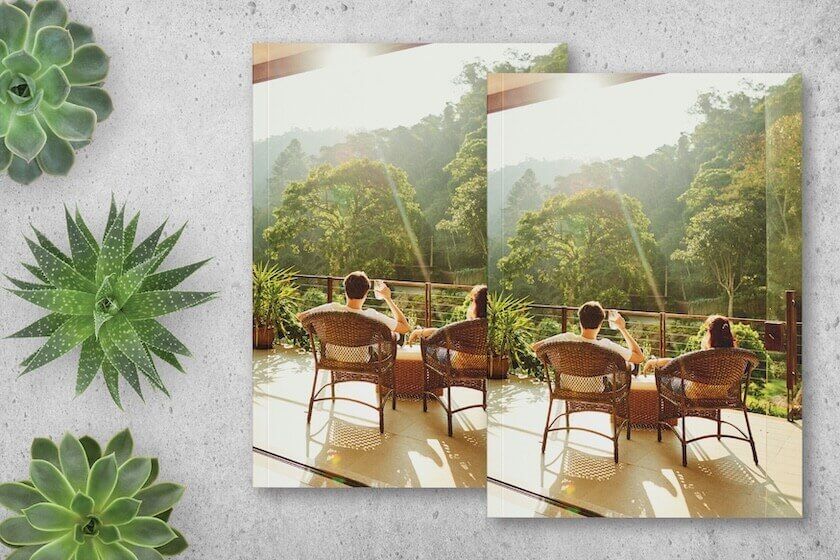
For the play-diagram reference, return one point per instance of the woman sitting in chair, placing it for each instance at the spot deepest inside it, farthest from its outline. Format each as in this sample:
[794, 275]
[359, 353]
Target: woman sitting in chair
[718, 335]
[476, 310]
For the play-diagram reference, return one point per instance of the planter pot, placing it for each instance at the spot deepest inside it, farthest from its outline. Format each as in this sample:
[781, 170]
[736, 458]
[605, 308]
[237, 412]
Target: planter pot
[264, 337]
[499, 366]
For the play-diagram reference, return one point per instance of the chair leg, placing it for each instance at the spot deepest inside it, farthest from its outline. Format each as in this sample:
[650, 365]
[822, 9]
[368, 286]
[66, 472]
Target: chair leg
[628, 417]
[425, 396]
[615, 436]
[312, 397]
[659, 421]
[393, 399]
[449, 409]
[566, 412]
[547, 421]
[684, 445]
[484, 394]
[719, 424]
[749, 432]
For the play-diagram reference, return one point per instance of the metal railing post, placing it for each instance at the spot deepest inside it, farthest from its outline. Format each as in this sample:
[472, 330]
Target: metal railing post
[564, 314]
[428, 303]
[662, 346]
[330, 281]
[791, 347]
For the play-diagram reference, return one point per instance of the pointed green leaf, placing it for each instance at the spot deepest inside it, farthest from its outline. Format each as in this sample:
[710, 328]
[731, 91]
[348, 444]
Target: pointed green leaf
[90, 361]
[73, 460]
[132, 475]
[147, 305]
[99, 319]
[5, 154]
[18, 532]
[65, 338]
[118, 360]
[169, 358]
[63, 548]
[89, 66]
[159, 498]
[16, 496]
[25, 137]
[24, 553]
[57, 156]
[45, 326]
[92, 450]
[121, 445]
[143, 553]
[55, 86]
[130, 280]
[84, 255]
[86, 232]
[53, 46]
[102, 479]
[23, 285]
[112, 381]
[111, 256]
[147, 531]
[36, 272]
[146, 249]
[51, 517]
[109, 534]
[22, 171]
[82, 34]
[67, 302]
[82, 504]
[22, 63]
[68, 121]
[154, 474]
[168, 279]
[164, 515]
[92, 97]
[14, 25]
[121, 511]
[59, 273]
[126, 339]
[130, 233]
[165, 247]
[175, 546]
[45, 242]
[45, 13]
[113, 551]
[45, 450]
[49, 481]
[156, 335]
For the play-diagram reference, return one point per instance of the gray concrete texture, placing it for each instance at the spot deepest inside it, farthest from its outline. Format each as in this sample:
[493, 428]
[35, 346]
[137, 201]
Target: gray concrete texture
[179, 145]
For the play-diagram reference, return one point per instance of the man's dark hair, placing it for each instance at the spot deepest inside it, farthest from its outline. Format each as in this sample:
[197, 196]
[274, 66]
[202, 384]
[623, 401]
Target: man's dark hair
[356, 285]
[591, 315]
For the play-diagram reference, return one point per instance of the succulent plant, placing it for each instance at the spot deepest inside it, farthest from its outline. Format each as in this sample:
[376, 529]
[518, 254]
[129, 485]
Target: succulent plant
[106, 298]
[51, 95]
[82, 504]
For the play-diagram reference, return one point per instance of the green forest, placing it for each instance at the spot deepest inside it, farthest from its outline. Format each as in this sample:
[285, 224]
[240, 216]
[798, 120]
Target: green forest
[709, 224]
[406, 202]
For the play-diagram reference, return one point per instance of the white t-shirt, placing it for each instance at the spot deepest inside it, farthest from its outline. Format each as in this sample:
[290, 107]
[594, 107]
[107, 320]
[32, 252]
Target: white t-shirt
[390, 322]
[592, 384]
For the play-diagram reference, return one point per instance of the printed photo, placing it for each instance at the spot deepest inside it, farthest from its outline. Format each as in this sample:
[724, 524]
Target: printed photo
[370, 303]
[646, 232]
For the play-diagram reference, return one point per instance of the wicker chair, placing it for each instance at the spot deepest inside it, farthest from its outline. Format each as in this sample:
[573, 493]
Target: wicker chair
[701, 384]
[352, 347]
[457, 355]
[587, 378]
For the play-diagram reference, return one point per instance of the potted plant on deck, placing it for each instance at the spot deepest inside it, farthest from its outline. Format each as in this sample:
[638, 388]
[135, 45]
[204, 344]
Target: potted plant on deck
[275, 302]
[510, 333]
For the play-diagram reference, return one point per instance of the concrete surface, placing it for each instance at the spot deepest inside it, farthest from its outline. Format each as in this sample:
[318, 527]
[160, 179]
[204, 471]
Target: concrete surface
[179, 145]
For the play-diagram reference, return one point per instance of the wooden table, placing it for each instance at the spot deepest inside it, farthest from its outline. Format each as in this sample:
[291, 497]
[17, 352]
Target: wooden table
[408, 373]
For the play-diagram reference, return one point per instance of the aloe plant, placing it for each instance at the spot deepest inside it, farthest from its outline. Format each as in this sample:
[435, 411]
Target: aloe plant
[81, 503]
[51, 96]
[107, 298]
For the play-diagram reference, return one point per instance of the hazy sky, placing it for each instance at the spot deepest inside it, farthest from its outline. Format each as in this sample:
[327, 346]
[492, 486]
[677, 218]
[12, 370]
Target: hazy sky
[364, 93]
[592, 122]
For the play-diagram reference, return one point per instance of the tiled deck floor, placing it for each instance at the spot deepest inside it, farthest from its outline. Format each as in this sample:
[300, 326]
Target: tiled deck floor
[344, 437]
[721, 479]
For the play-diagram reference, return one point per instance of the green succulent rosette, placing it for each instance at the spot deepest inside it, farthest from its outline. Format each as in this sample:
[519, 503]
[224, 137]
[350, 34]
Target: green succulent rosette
[51, 95]
[81, 503]
[107, 298]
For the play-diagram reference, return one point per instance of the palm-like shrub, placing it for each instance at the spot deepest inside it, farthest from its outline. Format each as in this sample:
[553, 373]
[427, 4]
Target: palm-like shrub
[51, 95]
[80, 503]
[107, 298]
[276, 301]
[511, 331]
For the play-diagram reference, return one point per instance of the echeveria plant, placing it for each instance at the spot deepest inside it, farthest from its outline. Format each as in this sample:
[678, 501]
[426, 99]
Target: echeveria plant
[106, 298]
[82, 504]
[51, 95]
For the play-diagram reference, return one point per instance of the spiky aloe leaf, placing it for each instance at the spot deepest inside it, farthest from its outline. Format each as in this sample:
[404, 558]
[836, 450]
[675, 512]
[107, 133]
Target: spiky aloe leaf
[51, 95]
[104, 297]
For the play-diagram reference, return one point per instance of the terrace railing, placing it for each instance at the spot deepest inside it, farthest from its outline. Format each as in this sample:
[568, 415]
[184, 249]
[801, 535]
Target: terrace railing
[662, 334]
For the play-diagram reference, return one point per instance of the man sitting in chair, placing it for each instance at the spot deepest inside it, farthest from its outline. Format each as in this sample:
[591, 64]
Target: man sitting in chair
[356, 288]
[591, 314]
